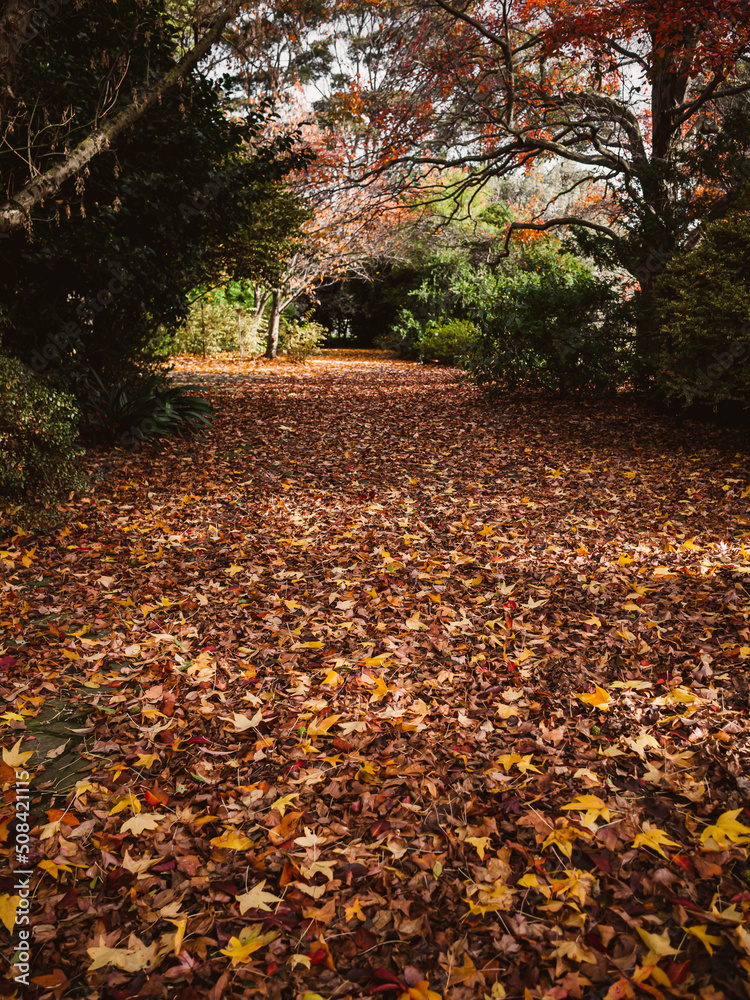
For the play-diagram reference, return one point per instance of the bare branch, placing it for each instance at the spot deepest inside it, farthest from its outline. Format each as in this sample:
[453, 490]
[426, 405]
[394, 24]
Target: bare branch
[566, 220]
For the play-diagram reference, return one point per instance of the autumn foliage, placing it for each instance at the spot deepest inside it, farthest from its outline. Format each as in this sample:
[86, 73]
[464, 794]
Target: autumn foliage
[377, 692]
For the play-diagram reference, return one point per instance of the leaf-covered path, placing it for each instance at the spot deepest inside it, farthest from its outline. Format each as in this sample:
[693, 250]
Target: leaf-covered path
[376, 690]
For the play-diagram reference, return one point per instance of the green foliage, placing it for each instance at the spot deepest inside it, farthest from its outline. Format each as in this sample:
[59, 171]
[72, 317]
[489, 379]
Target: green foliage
[300, 340]
[556, 326]
[447, 342]
[38, 432]
[212, 323]
[144, 411]
[703, 305]
[107, 267]
[542, 319]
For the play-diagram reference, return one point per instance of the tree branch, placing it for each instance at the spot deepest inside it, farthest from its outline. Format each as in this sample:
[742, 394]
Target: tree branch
[478, 26]
[14, 212]
[565, 220]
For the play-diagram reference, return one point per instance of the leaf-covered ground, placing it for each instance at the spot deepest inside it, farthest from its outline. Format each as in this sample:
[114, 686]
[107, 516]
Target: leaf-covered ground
[378, 691]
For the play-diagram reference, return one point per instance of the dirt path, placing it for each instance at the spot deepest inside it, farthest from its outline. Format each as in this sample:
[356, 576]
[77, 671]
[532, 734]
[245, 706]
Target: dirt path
[384, 691]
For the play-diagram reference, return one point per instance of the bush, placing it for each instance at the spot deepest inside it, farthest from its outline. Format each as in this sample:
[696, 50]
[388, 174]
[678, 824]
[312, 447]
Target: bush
[38, 432]
[448, 342]
[301, 340]
[703, 306]
[212, 324]
[145, 411]
[557, 326]
[402, 336]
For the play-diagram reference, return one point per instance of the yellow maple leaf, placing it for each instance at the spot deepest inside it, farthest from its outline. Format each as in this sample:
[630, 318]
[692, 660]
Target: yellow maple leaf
[377, 661]
[654, 838]
[641, 742]
[250, 940]
[354, 910]
[574, 951]
[11, 717]
[492, 899]
[135, 957]
[141, 823]
[53, 869]
[480, 843]
[8, 907]
[13, 757]
[257, 899]
[576, 885]
[592, 808]
[283, 802]
[465, 973]
[600, 699]
[138, 865]
[127, 801]
[242, 723]
[332, 679]
[421, 991]
[179, 935]
[319, 727]
[530, 881]
[509, 760]
[725, 832]
[233, 840]
[310, 839]
[147, 759]
[381, 690]
[700, 931]
[659, 946]
[479, 909]
[564, 836]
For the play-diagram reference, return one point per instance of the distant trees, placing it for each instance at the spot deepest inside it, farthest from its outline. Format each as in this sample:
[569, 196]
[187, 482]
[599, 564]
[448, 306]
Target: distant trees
[646, 99]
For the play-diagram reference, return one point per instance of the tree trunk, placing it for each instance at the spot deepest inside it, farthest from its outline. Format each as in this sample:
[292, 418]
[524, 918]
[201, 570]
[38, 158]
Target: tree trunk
[272, 336]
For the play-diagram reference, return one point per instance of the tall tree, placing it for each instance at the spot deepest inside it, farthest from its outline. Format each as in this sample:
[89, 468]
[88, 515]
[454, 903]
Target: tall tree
[348, 228]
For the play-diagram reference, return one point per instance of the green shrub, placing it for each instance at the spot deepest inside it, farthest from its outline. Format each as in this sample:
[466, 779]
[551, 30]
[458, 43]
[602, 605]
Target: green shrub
[447, 342]
[555, 326]
[703, 305]
[212, 325]
[145, 411]
[402, 336]
[301, 340]
[38, 432]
